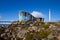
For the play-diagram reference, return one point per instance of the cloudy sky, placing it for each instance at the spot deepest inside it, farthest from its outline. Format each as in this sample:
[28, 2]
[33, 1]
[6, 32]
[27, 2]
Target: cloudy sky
[9, 9]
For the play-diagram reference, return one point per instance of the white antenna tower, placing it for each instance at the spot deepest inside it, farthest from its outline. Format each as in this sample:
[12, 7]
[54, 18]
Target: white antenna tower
[49, 15]
[19, 15]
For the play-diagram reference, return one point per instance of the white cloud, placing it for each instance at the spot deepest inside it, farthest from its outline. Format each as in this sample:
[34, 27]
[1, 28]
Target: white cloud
[37, 14]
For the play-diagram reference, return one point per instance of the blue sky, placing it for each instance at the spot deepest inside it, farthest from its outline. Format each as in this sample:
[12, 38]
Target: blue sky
[9, 9]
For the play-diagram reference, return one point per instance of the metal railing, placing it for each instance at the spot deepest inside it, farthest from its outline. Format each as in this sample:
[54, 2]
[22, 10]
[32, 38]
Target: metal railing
[6, 22]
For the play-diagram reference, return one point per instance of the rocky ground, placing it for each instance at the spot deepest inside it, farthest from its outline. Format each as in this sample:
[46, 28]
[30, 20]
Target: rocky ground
[31, 31]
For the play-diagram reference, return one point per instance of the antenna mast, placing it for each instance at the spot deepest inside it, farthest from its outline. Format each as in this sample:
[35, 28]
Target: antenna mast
[19, 15]
[49, 15]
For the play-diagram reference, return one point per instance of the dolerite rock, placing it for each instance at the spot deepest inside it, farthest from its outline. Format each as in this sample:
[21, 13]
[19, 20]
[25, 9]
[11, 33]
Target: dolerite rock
[12, 32]
[18, 31]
